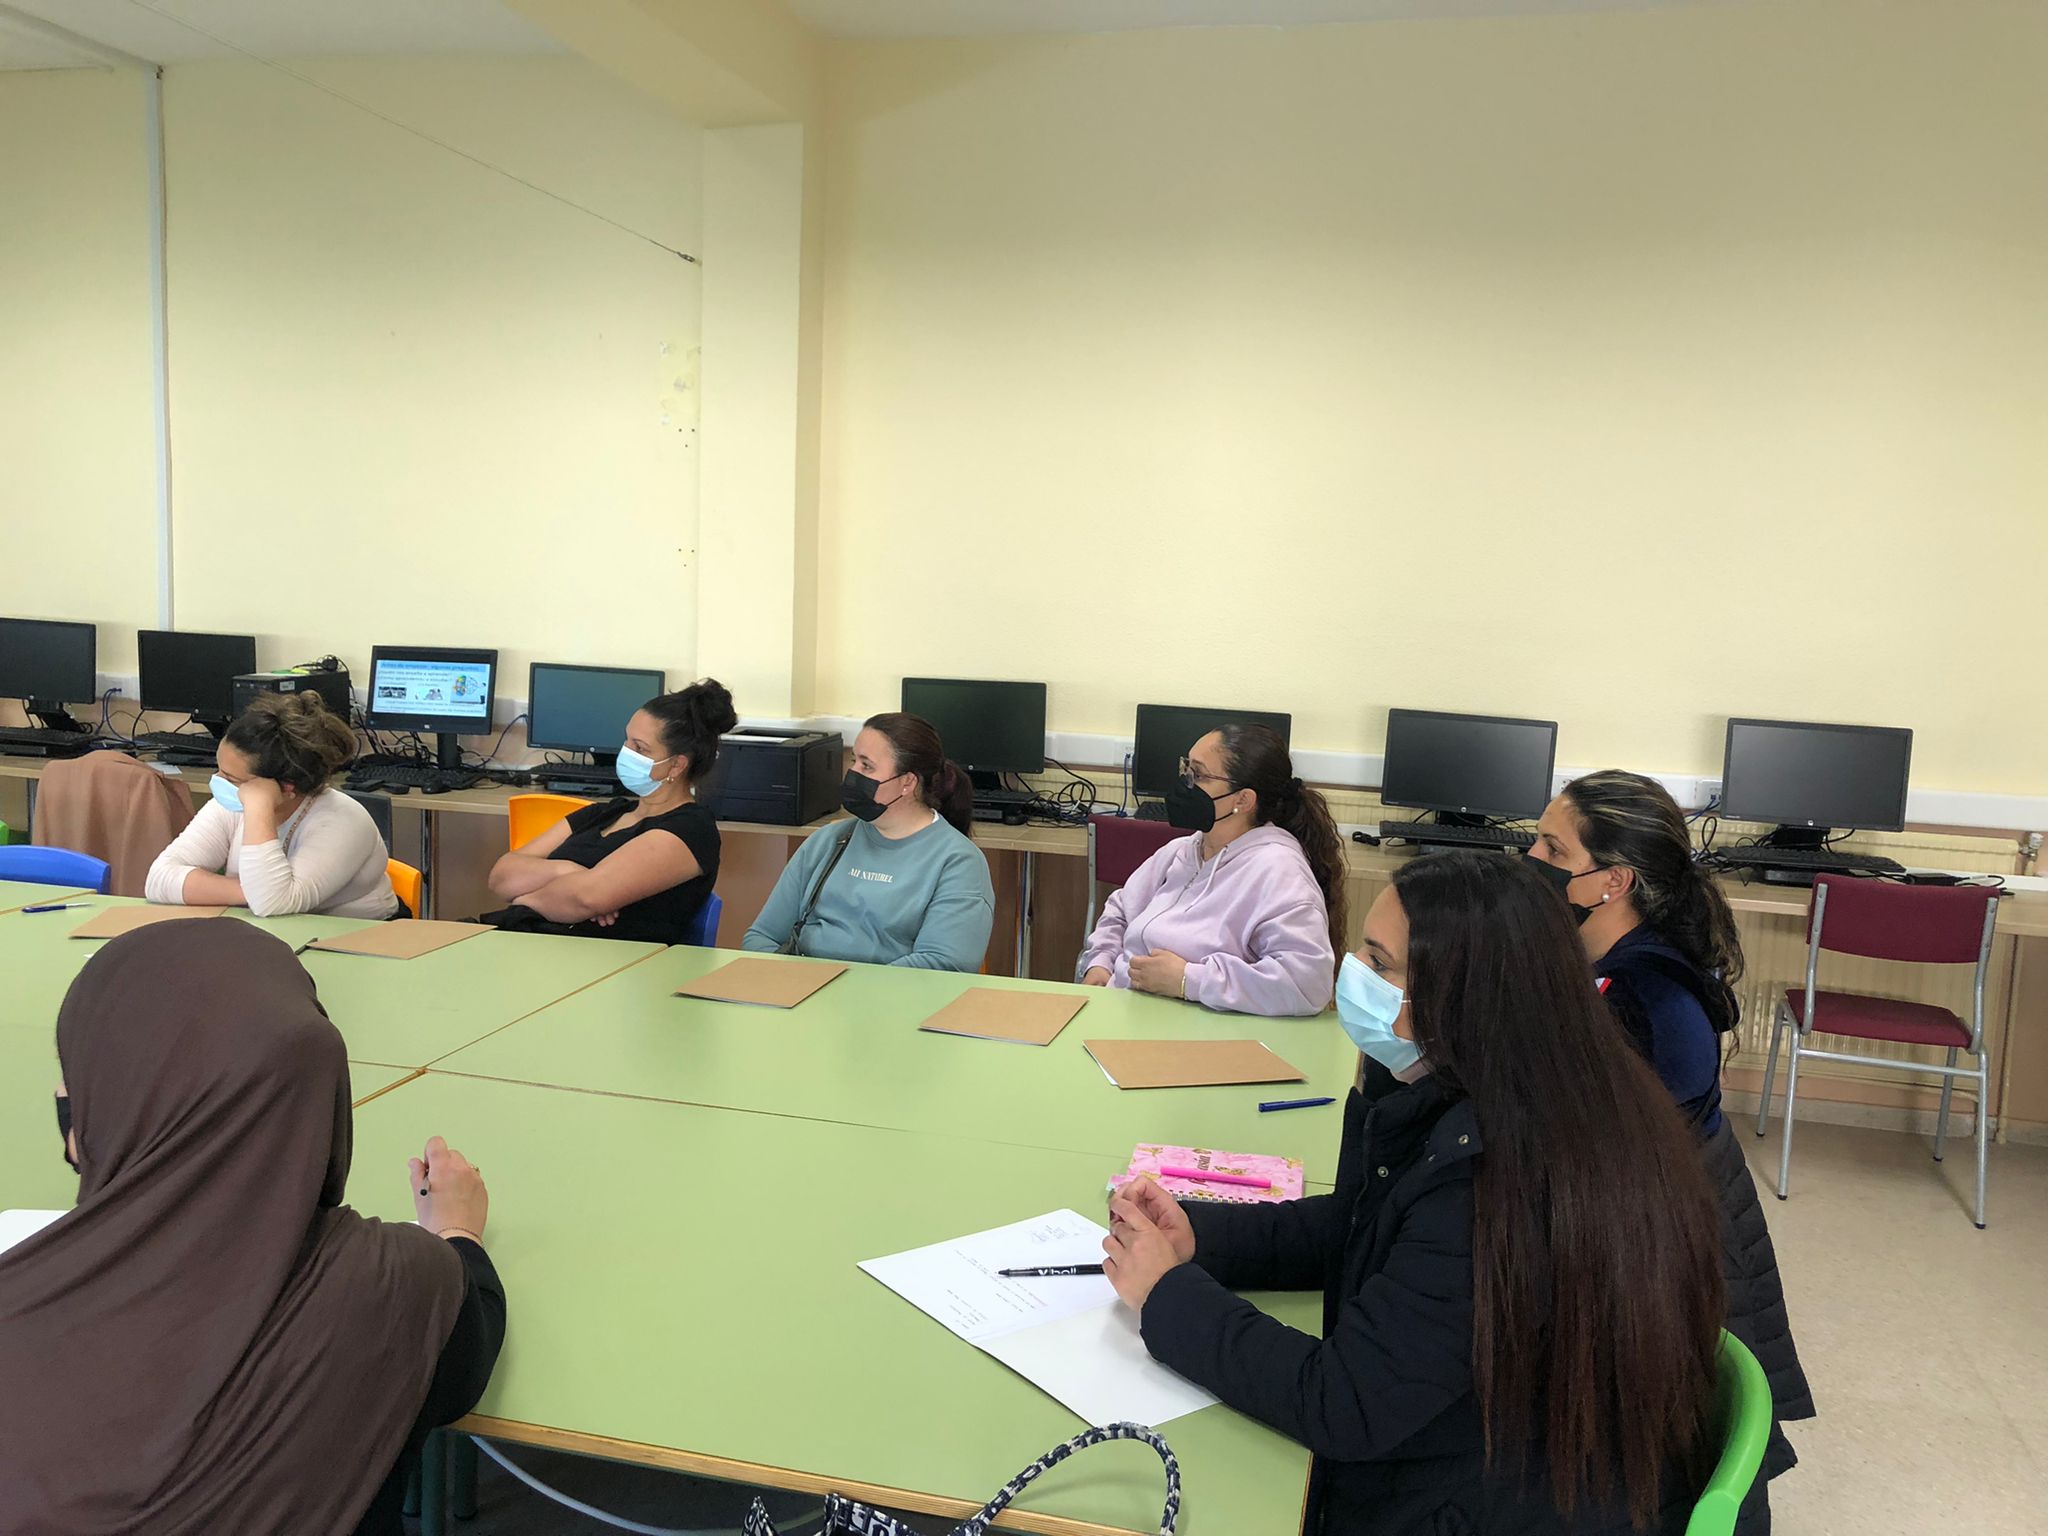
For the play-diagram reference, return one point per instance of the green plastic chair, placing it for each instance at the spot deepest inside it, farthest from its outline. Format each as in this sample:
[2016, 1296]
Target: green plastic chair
[9, 835]
[1743, 1411]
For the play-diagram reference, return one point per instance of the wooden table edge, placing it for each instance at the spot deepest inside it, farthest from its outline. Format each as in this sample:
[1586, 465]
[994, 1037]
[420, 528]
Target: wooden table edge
[729, 1471]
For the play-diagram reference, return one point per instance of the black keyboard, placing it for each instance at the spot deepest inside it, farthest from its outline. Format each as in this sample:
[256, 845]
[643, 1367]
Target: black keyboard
[408, 777]
[38, 741]
[1458, 837]
[1151, 810]
[1819, 861]
[200, 742]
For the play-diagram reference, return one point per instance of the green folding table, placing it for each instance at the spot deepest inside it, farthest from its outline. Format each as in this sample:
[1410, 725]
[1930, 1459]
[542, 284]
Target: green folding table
[853, 1052]
[24, 893]
[682, 1290]
[402, 1013]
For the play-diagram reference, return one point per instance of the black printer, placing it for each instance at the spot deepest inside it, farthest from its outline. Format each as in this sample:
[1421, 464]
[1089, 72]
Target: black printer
[784, 778]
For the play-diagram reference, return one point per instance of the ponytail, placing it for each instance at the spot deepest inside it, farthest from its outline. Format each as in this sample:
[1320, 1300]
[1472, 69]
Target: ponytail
[1630, 821]
[942, 784]
[1255, 759]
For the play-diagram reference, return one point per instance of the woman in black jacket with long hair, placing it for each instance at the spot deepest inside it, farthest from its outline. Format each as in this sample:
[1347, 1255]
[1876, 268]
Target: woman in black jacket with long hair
[1522, 1302]
[1666, 956]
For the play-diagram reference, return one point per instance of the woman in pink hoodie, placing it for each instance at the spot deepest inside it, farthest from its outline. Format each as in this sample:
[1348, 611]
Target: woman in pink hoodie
[1245, 915]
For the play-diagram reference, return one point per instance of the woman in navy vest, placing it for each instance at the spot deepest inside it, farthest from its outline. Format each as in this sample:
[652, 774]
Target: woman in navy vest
[1666, 956]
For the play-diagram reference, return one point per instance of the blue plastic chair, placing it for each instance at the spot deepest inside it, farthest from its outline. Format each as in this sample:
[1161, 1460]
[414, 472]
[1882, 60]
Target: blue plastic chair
[704, 930]
[54, 866]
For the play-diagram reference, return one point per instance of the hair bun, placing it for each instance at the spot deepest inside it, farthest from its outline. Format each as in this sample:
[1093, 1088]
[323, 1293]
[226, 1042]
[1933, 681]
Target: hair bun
[710, 703]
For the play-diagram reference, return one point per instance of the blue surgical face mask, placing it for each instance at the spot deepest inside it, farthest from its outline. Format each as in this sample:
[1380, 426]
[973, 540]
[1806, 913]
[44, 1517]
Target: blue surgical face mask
[636, 771]
[225, 795]
[1367, 1005]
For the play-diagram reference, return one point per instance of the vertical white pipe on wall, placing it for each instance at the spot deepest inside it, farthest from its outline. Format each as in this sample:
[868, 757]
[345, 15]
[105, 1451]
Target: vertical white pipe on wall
[159, 343]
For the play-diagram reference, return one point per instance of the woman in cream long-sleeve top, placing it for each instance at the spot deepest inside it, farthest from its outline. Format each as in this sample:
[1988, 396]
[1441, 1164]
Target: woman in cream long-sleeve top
[274, 838]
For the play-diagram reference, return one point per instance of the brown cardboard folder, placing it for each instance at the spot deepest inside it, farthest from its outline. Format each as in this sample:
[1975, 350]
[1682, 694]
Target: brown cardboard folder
[1189, 1063]
[765, 983]
[399, 941]
[993, 1013]
[112, 922]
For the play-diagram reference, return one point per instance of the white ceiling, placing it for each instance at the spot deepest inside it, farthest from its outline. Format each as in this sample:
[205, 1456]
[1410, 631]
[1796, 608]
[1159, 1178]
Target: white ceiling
[278, 29]
[974, 18]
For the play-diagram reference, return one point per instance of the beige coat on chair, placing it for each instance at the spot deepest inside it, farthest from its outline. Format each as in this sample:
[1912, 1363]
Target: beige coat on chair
[114, 807]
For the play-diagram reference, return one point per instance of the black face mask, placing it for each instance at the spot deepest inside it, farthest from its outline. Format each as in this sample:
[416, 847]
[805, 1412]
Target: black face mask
[1189, 809]
[64, 1128]
[857, 796]
[1562, 878]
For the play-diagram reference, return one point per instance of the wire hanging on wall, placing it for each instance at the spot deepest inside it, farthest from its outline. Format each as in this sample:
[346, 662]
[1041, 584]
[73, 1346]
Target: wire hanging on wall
[384, 117]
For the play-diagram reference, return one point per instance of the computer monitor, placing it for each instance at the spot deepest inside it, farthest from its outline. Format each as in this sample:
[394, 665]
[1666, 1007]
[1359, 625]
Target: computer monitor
[585, 709]
[1468, 767]
[988, 728]
[445, 690]
[1166, 731]
[187, 673]
[1807, 779]
[48, 663]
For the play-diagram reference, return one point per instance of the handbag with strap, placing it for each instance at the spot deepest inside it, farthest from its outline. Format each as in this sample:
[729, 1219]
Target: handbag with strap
[848, 1517]
[796, 929]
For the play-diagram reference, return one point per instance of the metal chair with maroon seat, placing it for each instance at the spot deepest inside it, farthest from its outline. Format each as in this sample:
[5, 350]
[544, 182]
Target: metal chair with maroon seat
[1117, 845]
[1880, 920]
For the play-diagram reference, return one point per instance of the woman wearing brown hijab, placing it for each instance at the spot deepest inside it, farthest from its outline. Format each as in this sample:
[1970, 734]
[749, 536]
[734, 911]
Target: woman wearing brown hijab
[211, 1341]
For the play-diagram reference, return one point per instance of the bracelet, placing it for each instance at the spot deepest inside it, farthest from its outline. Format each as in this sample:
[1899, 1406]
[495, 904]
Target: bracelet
[1183, 983]
[474, 1237]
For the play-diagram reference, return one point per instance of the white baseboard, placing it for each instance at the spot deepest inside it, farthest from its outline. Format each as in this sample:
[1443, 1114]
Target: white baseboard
[1740, 1107]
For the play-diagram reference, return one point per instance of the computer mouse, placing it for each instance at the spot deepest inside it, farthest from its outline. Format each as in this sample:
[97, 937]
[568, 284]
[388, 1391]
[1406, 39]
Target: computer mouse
[434, 789]
[1013, 817]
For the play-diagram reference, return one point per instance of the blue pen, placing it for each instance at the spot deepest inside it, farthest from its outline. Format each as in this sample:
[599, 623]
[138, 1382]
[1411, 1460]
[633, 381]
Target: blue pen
[1273, 1104]
[61, 906]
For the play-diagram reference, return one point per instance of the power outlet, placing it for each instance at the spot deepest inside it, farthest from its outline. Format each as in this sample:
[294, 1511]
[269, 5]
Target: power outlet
[1709, 792]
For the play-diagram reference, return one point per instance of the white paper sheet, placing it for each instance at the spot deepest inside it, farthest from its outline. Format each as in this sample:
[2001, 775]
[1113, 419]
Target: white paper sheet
[1069, 1336]
[18, 1226]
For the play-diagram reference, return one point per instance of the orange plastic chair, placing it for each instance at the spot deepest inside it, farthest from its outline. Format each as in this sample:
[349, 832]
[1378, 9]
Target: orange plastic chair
[527, 816]
[406, 883]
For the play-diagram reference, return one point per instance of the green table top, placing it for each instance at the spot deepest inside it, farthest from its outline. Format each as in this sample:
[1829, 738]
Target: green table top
[683, 1279]
[32, 1170]
[853, 1052]
[33, 1173]
[403, 1013]
[24, 893]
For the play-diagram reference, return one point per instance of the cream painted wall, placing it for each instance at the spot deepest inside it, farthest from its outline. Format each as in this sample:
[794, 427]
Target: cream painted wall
[77, 486]
[1154, 361]
[415, 401]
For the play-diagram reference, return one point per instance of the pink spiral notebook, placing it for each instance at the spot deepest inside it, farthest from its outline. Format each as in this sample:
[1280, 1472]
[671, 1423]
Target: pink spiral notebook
[1283, 1173]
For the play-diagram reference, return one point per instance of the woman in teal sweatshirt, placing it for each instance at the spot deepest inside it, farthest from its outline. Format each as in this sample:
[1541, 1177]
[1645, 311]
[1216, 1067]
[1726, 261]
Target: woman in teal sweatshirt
[900, 884]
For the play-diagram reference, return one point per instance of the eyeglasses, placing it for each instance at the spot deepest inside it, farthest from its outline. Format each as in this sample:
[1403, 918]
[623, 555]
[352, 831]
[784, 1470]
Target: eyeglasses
[1190, 774]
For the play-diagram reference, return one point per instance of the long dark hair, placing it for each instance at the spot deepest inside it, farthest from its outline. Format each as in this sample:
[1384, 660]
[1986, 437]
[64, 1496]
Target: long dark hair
[941, 783]
[293, 738]
[1629, 820]
[1255, 758]
[692, 719]
[1597, 1289]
